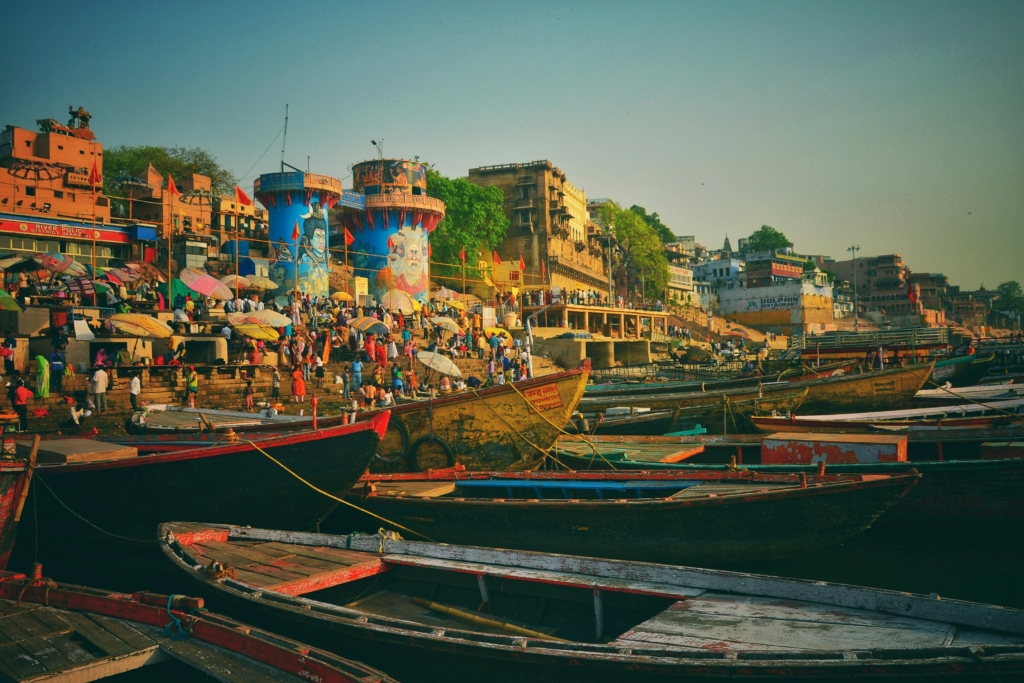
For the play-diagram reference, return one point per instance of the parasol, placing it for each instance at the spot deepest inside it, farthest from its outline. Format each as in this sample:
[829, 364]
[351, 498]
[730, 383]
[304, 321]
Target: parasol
[260, 282]
[442, 364]
[151, 326]
[230, 281]
[9, 303]
[146, 270]
[456, 304]
[341, 296]
[501, 332]
[446, 324]
[444, 294]
[264, 332]
[56, 262]
[83, 286]
[369, 325]
[397, 300]
[205, 284]
[264, 317]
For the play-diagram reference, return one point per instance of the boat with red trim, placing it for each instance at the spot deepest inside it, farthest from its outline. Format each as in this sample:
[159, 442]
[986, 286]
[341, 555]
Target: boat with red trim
[268, 482]
[512, 615]
[62, 633]
[703, 518]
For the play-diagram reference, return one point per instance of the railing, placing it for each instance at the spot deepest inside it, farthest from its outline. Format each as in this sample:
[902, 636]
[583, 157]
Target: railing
[837, 340]
[670, 370]
[401, 200]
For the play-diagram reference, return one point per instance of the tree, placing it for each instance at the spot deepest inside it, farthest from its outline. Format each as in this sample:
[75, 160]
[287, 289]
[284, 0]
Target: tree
[662, 230]
[181, 162]
[640, 247]
[767, 238]
[474, 220]
[1011, 298]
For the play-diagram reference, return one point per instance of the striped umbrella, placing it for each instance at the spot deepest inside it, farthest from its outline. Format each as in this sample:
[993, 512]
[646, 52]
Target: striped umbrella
[147, 271]
[235, 282]
[264, 317]
[205, 284]
[151, 326]
[369, 325]
[56, 262]
[84, 286]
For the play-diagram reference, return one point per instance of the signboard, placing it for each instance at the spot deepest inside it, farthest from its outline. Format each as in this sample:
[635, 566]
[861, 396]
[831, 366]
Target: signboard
[63, 231]
[544, 397]
[362, 286]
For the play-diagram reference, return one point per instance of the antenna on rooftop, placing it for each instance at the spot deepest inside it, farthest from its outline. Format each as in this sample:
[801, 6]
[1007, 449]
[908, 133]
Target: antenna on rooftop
[285, 140]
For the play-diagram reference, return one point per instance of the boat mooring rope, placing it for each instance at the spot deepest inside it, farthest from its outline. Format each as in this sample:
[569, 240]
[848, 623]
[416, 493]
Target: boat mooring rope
[93, 525]
[335, 498]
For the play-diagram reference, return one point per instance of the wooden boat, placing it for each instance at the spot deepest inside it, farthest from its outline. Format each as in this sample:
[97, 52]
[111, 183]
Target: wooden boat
[61, 633]
[704, 518]
[877, 390]
[786, 375]
[925, 417]
[498, 428]
[127, 497]
[952, 494]
[13, 489]
[961, 371]
[984, 392]
[511, 615]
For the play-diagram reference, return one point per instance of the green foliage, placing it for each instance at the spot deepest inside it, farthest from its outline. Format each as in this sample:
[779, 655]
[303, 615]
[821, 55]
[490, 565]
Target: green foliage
[474, 220]
[639, 246]
[664, 234]
[767, 238]
[1011, 298]
[180, 162]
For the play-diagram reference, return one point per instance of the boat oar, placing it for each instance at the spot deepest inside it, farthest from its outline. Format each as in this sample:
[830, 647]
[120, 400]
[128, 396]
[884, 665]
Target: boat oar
[28, 478]
[484, 621]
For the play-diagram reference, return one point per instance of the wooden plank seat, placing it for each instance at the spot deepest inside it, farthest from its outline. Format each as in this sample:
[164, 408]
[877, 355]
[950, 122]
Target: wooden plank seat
[288, 569]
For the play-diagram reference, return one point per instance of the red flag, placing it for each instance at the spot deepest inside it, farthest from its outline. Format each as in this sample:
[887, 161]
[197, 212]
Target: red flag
[243, 198]
[295, 232]
[349, 239]
[172, 189]
[522, 264]
[462, 255]
[94, 177]
[910, 293]
[543, 270]
[497, 259]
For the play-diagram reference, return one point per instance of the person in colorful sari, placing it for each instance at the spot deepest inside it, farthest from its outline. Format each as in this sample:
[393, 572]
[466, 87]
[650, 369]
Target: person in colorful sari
[42, 377]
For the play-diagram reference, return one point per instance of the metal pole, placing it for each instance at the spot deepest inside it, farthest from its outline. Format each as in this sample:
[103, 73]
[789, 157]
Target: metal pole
[856, 307]
[236, 247]
[170, 228]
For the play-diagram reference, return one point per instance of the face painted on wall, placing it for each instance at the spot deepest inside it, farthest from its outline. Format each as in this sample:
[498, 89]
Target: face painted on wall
[409, 250]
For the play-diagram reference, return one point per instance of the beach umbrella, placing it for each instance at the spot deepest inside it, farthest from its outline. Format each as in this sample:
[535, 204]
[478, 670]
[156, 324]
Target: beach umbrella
[264, 317]
[456, 304]
[151, 326]
[260, 282]
[398, 301]
[235, 281]
[264, 332]
[444, 294]
[9, 303]
[501, 332]
[56, 262]
[442, 364]
[121, 276]
[341, 296]
[369, 325]
[205, 284]
[15, 264]
[147, 271]
[446, 323]
[85, 286]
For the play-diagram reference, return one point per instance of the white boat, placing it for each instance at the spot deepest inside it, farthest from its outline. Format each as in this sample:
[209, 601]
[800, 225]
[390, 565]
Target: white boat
[989, 392]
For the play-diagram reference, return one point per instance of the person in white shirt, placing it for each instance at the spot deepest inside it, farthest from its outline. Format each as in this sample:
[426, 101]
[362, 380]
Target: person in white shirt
[99, 389]
[226, 332]
[134, 389]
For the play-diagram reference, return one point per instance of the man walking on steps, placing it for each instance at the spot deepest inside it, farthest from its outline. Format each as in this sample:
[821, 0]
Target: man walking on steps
[134, 389]
[192, 386]
[99, 389]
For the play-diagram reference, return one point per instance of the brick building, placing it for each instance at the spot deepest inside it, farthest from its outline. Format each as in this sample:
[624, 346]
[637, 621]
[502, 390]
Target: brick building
[549, 224]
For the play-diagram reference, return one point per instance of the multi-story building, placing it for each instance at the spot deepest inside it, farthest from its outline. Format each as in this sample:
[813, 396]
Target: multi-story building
[880, 282]
[680, 285]
[49, 204]
[548, 225]
[766, 268]
[722, 269]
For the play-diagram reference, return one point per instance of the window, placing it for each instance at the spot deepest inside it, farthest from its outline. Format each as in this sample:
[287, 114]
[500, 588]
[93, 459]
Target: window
[58, 194]
[28, 143]
[60, 146]
[82, 152]
[30, 191]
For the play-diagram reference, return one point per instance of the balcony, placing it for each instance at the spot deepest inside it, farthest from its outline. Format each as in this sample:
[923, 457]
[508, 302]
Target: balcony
[524, 204]
[400, 200]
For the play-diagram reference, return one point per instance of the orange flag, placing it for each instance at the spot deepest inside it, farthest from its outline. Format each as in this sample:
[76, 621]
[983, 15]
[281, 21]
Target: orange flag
[171, 187]
[349, 239]
[522, 264]
[94, 177]
[497, 259]
[295, 232]
[243, 198]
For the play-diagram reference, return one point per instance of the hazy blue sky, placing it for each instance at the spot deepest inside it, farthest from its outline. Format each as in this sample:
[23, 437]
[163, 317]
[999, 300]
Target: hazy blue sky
[896, 125]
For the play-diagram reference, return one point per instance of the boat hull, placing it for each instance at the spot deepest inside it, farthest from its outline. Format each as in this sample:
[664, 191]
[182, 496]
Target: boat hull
[961, 372]
[12, 481]
[127, 499]
[709, 531]
[879, 390]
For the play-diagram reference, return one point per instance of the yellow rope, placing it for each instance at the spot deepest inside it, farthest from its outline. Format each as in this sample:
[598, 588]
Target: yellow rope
[546, 454]
[333, 497]
[562, 431]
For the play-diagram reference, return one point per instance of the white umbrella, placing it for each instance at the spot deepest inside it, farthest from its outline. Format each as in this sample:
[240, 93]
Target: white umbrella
[442, 364]
[235, 281]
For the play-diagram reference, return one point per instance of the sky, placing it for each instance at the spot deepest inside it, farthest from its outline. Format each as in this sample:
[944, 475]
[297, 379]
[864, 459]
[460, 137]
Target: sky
[895, 126]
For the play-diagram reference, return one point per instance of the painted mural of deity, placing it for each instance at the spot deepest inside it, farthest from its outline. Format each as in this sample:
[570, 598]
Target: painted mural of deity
[313, 250]
[410, 261]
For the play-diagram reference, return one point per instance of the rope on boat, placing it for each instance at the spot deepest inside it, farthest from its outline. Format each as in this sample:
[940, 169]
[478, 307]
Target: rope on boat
[970, 400]
[335, 498]
[545, 453]
[94, 526]
[174, 623]
[545, 418]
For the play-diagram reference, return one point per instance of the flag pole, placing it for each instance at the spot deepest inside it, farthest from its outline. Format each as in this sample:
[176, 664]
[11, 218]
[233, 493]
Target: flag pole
[170, 228]
[95, 275]
[236, 245]
[463, 277]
